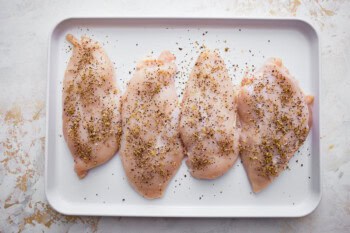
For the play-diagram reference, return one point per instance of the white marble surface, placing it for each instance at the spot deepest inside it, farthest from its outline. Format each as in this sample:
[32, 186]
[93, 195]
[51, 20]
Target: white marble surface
[24, 30]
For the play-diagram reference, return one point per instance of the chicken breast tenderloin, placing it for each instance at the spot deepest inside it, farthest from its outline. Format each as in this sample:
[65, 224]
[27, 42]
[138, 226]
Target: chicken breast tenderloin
[276, 119]
[151, 148]
[91, 106]
[208, 124]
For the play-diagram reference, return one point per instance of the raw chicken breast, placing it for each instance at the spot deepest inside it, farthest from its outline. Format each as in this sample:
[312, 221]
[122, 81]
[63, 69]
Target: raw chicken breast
[151, 148]
[208, 124]
[91, 106]
[276, 119]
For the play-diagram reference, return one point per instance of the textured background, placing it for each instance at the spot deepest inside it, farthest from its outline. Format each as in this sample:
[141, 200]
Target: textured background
[24, 30]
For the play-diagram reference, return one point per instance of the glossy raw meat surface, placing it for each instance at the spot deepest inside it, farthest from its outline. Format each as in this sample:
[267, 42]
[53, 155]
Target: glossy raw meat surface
[208, 118]
[91, 106]
[151, 148]
[276, 118]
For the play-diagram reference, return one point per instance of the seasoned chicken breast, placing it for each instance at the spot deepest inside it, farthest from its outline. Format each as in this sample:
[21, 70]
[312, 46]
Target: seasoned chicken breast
[91, 106]
[208, 124]
[151, 148]
[276, 119]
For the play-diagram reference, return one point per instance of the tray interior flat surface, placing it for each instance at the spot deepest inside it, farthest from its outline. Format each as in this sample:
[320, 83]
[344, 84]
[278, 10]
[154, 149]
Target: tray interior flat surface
[243, 42]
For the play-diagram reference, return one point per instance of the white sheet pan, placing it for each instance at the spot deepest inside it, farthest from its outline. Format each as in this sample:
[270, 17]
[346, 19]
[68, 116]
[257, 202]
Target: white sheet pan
[240, 41]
